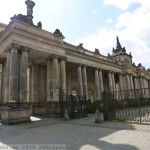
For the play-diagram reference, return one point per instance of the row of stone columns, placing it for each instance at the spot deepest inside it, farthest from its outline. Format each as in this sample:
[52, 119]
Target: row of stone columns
[14, 75]
[98, 83]
[3, 75]
[82, 80]
[135, 82]
[56, 77]
[15, 72]
[99, 86]
[130, 83]
[37, 83]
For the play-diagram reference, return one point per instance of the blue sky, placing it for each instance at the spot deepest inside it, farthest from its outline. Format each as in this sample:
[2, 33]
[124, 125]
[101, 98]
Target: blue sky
[95, 23]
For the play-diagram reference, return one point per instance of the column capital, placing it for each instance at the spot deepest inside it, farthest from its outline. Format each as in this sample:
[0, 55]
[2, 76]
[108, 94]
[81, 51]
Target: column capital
[110, 71]
[140, 76]
[51, 57]
[125, 73]
[144, 77]
[96, 69]
[14, 46]
[100, 69]
[84, 66]
[63, 58]
[55, 56]
[80, 65]
[119, 73]
[130, 74]
[25, 49]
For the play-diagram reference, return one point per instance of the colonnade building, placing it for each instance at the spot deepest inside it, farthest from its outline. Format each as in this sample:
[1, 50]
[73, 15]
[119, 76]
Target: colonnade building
[37, 64]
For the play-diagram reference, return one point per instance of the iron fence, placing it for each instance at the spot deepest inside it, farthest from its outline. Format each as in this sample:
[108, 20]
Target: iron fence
[76, 106]
[132, 105]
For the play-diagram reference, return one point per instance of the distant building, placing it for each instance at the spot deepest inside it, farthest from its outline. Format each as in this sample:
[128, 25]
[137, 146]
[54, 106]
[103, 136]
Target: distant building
[37, 64]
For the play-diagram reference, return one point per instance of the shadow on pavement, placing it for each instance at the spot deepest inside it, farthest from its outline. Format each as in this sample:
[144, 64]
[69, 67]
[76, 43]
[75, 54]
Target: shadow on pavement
[79, 134]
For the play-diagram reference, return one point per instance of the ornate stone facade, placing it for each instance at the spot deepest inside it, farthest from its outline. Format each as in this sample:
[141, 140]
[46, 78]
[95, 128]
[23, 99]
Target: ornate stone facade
[37, 64]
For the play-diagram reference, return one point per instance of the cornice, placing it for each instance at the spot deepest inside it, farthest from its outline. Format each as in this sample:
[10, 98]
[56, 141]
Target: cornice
[93, 58]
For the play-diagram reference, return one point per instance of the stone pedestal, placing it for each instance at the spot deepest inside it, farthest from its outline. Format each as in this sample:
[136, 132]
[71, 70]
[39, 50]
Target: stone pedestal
[53, 109]
[15, 115]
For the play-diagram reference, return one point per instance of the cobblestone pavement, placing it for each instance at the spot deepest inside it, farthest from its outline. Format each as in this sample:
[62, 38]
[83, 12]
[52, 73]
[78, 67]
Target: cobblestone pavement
[78, 134]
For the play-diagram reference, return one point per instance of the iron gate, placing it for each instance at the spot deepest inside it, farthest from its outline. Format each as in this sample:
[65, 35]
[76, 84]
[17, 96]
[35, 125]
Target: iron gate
[76, 106]
[133, 105]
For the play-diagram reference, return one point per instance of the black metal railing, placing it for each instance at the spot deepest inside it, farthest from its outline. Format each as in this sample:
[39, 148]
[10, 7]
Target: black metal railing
[132, 105]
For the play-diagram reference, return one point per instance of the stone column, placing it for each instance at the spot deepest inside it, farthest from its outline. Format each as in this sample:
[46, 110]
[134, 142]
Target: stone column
[146, 88]
[128, 82]
[121, 82]
[30, 83]
[101, 84]
[49, 79]
[142, 87]
[131, 82]
[144, 83]
[3, 80]
[80, 84]
[135, 83]
[141, 83]
[23, 76]
[85, 89]
[110, 82]
[148, 83]
[121, 87]
[55, 79]
[9, 114]
[97, 87]
[14, 78]
[101, 81]
[113, 82]
[35, 83]
[42, 83]
[63, 74]
[132, 87]
[7, 78]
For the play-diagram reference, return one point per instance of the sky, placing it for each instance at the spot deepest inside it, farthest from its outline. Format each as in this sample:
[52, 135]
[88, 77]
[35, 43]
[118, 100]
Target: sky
[95, 23]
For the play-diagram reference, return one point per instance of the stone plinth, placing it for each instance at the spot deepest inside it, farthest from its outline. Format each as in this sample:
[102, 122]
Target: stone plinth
[39, 110]
[14, 115]
[52, 109]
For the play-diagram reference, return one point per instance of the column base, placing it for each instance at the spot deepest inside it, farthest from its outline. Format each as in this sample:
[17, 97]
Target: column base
[14, 115]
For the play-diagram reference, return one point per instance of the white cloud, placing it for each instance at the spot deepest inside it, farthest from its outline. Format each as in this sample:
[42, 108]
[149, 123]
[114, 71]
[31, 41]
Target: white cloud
[102, 40]
[133, 30]
[109, 20]
[122, 4]
[95, 11]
